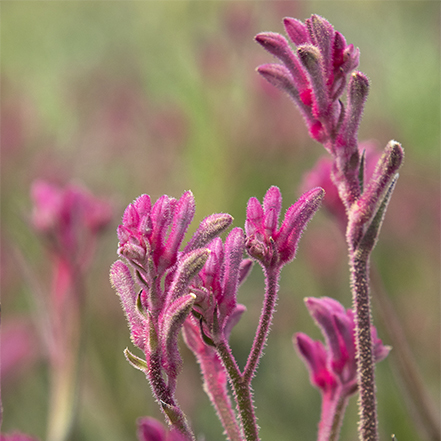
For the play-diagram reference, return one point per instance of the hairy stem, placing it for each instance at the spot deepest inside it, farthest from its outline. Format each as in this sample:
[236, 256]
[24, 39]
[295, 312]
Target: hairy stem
[167, 402]
[368, 425]
[215, 387]
[331, 419]
[271, 282]
[242, 392]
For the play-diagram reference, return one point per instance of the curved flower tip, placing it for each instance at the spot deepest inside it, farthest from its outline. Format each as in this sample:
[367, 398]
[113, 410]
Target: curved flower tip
[338, 357]
[315, 356]
[318, 71]
[265, 241]
[150, 429]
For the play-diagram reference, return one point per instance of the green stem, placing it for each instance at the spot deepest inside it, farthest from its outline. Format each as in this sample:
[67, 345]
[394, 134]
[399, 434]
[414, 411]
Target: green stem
[216, 388]
[271, 281]
[68, 336]
[242, 392]
[165, 398]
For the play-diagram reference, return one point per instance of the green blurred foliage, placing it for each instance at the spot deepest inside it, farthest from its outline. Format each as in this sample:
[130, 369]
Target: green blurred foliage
[162, 96]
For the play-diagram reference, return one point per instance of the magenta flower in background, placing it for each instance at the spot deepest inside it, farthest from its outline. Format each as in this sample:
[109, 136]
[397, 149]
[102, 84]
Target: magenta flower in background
[332, 366]
[70, 218]
[150, 429]
[19, 347]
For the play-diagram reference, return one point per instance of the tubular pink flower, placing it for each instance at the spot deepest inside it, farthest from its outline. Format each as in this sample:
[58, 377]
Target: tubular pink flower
[337, 326]
[315, 356]
[150, 238]
[70, 218]
[332, 367]
[319, 70]
[265, 241]
[218, 282]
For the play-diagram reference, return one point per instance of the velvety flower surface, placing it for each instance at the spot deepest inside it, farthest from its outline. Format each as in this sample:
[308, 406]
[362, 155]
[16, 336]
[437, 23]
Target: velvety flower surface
[158, 297]
[334, 364]
[315, 74]
[265, 240]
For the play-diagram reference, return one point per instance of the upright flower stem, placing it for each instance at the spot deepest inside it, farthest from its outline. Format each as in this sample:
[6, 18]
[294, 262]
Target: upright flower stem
[271, 279]
[241, 382]
[65, 354]
[368, 425]
[220, 399]
[165, 398]
[242, 392]
[333, 409]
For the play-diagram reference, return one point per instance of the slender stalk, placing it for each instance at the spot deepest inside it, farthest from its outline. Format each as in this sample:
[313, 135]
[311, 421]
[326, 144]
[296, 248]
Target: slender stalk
[167, 402]
[331, 419]
[242, 392]
[68, 333]
[368, 425]
[217, 391]
[271, 281]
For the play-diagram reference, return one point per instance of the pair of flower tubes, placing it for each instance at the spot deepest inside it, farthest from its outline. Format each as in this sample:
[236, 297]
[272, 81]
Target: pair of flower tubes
[165, 290]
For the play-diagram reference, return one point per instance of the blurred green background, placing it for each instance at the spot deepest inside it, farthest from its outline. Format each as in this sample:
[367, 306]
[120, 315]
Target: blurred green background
[159, 97]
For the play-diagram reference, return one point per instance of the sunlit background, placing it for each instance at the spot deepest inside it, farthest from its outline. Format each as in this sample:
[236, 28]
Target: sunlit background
[159, 97]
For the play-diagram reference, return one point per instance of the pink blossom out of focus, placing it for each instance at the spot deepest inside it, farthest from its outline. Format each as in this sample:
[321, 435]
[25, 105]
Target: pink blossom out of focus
[69, 217]
[150, 429]
[18, 347]
[333, 366]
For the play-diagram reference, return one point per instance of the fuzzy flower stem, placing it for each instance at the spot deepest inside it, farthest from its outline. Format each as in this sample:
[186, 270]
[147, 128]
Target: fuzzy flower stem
[220, 399]
[368, 425]
[162, 393]
[242, 392]
[331, 419]
[337, 421]
[271, 280]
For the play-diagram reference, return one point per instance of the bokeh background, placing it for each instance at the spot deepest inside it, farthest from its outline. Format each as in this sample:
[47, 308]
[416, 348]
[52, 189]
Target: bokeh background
[159, 97]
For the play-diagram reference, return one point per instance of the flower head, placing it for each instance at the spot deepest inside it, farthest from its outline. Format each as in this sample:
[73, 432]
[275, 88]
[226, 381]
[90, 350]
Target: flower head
[69, 217]
[316, 74]
[265, 241]
[216, 286]
[150, 238]
[334, 364]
